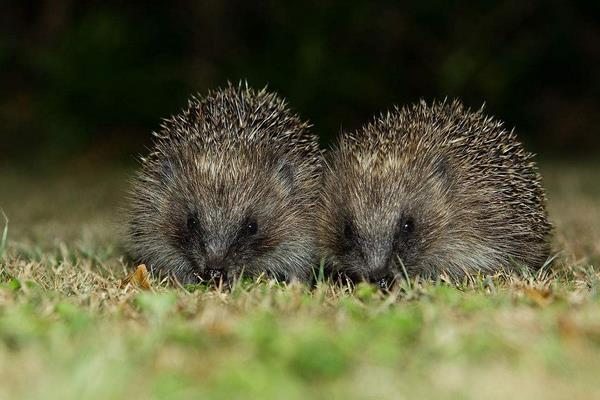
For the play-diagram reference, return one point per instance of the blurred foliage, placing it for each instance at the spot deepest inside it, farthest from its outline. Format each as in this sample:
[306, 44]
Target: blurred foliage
[85, 79]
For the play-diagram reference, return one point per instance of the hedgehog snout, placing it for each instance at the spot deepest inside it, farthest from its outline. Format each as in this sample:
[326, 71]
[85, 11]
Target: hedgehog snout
[377, 257]
[215, 262]
[378, 262]
[214, 274]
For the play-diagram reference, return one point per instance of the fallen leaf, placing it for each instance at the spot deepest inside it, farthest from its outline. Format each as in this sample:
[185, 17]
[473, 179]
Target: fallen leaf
[139, 277]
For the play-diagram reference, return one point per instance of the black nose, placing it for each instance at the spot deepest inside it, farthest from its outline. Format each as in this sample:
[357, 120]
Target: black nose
[384, 282]
[215, 266]
[214, 274]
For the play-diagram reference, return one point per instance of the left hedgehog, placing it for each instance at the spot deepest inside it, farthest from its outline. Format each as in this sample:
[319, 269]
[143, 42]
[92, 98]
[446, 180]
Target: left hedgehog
[228, 189]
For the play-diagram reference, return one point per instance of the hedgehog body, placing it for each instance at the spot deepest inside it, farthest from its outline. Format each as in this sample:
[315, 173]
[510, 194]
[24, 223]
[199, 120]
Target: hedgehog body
[431, 188]
[227, 189]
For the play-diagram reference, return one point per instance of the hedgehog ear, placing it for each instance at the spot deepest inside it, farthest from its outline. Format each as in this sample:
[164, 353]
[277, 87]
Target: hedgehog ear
[444, 171]
[287, 174]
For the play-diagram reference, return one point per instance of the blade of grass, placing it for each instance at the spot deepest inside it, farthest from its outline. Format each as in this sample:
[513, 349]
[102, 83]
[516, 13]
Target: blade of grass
[548, 263]
[4, 235]
[319, 275]
[405, 272]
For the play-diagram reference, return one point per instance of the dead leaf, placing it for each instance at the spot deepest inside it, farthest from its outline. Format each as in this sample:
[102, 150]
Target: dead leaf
[139, 277]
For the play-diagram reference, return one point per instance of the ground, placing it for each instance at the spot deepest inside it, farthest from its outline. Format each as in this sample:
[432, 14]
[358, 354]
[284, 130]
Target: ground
[69, 329]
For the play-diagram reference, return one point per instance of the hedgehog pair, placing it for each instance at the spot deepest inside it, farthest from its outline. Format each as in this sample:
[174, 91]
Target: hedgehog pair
[237, 185]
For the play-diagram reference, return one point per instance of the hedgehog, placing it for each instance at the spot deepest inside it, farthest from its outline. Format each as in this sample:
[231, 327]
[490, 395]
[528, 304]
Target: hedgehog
[229, 188]
[431, 189]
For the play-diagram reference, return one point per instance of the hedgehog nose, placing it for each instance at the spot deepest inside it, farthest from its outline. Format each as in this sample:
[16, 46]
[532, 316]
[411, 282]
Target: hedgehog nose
[384, 283]
[215, 264]
[215, 268]
[214, 274]
[215, 258]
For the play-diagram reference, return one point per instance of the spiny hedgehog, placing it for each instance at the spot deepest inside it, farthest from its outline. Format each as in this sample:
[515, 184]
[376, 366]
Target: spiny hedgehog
[426, 189]
[229, 188]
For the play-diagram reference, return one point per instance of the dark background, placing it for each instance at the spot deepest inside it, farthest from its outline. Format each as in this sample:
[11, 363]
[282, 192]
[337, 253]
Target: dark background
[89, 80]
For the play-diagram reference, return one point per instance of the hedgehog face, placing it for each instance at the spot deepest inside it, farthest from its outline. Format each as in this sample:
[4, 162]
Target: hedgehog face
[378, 215]
[375, 247]
[215, 225]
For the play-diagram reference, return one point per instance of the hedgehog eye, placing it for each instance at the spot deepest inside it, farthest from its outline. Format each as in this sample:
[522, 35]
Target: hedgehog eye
[408, 226]
[348, 231]
[250, 227]
[192, 223]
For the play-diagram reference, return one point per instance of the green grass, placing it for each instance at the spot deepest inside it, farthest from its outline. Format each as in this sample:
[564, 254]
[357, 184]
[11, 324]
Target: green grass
[68, 330]
[4, 237]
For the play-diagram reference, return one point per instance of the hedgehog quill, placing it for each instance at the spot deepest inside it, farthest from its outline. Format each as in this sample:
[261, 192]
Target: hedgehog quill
[228, 188]
[431, 188]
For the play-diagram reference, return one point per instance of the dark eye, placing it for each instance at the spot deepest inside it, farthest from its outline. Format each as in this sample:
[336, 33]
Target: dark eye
[250, 227]
[192, 223]
[348, 231]
[408, 226]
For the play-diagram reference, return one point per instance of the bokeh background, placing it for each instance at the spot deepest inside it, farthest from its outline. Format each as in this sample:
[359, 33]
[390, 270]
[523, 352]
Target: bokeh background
[87, 81]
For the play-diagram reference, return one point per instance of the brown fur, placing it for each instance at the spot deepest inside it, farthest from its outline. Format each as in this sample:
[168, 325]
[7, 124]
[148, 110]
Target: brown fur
[431, 188]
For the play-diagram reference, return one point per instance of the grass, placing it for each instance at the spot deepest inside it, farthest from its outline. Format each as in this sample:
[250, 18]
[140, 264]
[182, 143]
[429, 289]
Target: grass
[4, 237]
[69, 330]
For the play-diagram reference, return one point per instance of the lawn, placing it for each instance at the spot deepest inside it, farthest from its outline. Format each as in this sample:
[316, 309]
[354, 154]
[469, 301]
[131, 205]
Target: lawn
[70, 330]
